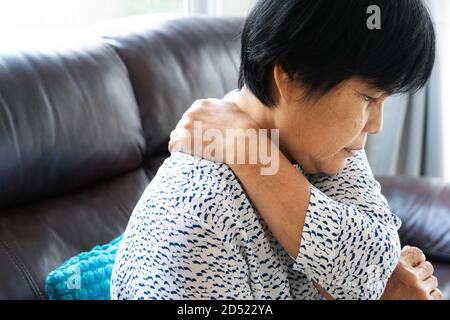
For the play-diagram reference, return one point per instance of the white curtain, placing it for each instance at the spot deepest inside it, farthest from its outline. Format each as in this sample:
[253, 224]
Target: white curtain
[203, 7]
[415, 140]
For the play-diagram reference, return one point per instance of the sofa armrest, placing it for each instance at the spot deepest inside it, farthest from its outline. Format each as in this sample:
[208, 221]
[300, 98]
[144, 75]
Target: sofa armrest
[423, 205]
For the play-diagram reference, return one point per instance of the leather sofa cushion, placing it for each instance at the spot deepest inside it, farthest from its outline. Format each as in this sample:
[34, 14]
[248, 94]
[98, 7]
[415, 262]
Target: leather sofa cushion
[68, 118]
[36, 239]
[423, 206]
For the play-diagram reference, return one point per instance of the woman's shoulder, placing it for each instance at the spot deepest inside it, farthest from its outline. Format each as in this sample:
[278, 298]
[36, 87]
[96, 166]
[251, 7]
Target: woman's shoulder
[185, 169]
[202, 185]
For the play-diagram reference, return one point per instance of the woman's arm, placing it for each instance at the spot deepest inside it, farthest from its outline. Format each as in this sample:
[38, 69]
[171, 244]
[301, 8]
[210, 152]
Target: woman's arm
[343, 237]
[282, 199]
[290, 206]
[182, 242]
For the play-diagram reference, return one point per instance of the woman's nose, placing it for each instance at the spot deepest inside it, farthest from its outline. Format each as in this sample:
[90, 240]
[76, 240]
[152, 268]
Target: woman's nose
[375, 122]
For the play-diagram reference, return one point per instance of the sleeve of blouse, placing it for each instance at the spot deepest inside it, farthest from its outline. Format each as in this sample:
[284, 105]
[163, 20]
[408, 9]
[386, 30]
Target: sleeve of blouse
[189, 261]
[350, 243]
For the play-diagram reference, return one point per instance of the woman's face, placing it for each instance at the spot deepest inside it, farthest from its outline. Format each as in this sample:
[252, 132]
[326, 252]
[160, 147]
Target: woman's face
[320, 134]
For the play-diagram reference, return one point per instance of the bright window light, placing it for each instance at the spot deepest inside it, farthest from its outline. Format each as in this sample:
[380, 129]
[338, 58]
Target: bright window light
[26, 14]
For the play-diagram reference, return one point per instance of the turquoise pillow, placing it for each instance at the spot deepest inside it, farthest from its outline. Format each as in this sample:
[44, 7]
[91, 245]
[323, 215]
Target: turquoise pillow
[85, 276]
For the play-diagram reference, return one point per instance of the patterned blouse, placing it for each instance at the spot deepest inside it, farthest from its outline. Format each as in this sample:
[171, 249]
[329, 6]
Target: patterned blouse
[195, 234]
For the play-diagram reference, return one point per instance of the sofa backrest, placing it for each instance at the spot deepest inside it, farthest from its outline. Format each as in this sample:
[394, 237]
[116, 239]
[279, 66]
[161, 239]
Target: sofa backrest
[85, 125]
[68, 118]
[173, 63]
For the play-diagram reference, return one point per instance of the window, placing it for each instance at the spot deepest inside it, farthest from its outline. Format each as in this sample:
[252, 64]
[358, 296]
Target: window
[136, 7]
[25, 14]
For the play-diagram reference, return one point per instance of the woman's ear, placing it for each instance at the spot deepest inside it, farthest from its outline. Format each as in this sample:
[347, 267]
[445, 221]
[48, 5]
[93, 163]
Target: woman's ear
[282, 85]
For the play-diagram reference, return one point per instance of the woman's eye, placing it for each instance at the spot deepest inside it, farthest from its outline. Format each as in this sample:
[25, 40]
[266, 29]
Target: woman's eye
[368, 99]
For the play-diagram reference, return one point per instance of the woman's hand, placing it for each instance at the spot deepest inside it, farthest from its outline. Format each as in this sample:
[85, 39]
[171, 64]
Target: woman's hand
[413, 278]
[205, 123]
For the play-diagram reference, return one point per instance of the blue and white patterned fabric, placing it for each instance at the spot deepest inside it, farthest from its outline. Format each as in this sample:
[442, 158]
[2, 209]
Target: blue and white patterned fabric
[196, 235]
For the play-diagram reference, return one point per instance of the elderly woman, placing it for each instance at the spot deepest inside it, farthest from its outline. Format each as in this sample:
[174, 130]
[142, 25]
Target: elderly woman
[318, 227]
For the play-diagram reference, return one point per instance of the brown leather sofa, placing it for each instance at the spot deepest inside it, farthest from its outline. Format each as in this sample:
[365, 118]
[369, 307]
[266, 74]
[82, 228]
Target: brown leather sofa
[84, 127]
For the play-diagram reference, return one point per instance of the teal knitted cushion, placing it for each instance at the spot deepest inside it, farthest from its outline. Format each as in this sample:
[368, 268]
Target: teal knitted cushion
[85, 276]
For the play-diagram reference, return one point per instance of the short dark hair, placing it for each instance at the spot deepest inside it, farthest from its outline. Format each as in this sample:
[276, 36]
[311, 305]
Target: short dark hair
[321, 43]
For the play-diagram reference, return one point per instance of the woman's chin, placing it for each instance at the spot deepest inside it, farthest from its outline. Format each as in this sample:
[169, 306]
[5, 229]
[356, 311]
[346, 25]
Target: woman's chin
[330, 166]
[333, 167]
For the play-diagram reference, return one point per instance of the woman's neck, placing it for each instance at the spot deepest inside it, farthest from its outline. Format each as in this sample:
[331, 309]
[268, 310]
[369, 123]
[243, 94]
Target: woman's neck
[251, 105]
[260, 113]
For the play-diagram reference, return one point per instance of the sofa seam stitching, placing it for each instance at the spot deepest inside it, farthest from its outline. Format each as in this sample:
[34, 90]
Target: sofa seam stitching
[22, 269]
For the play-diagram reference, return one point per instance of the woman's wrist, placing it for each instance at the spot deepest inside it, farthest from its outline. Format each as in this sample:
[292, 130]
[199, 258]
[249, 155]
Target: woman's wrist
[258, 154]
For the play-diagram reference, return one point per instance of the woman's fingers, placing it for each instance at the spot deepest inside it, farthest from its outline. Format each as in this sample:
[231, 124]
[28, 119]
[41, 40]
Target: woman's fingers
[424, 270]
[172, 145]
[203, 128]
[173, 134]
[436, 294]
[180, 138]
[413, 256]
[185, 122]
[430, 284]
[231, 96]
[416, 276]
